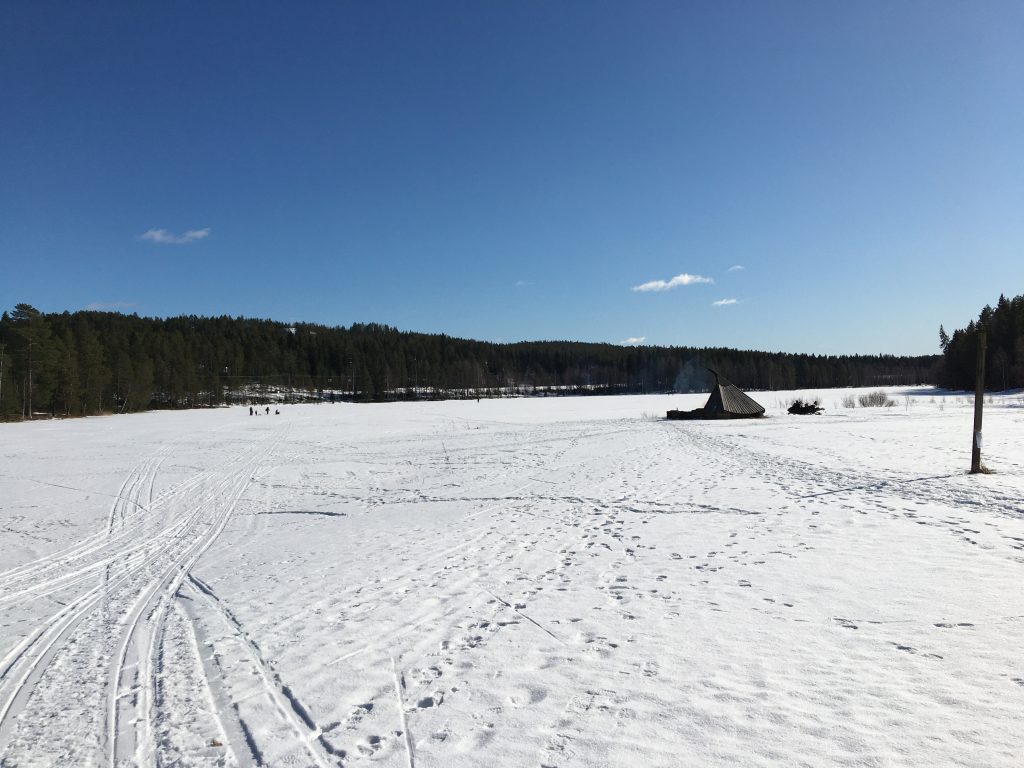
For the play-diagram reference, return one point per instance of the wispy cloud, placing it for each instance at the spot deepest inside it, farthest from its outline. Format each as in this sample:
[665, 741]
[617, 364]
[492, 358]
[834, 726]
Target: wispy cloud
[664, 285]
[724, 302]
[522, 283]
[101, 306]
[164, 237]
[736, 268]
[633, 340]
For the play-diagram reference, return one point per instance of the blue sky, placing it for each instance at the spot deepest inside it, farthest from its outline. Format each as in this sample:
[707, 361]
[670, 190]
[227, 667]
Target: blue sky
[846, 176]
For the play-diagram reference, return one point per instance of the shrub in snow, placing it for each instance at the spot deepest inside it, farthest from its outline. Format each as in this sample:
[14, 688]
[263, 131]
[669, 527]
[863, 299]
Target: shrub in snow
[876, 399]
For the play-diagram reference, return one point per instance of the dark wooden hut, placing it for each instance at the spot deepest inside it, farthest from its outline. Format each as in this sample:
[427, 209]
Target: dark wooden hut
[726, 401]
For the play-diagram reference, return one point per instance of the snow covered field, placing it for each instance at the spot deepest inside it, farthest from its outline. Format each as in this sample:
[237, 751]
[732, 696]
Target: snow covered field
[560, 582]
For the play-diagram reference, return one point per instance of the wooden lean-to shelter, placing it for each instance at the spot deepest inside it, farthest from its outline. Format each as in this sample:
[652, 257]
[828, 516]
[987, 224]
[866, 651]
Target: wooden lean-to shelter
[726, 401]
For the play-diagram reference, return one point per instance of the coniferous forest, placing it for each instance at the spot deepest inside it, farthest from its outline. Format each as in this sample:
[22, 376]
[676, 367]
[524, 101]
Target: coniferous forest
[1004, 355]
[81, 363]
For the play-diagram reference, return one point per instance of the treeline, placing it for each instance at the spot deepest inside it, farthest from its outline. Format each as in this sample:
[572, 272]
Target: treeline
[1004, 356]
[82, 363]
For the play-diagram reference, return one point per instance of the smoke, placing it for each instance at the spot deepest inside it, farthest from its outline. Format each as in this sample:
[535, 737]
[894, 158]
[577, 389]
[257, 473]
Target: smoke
[693, 377]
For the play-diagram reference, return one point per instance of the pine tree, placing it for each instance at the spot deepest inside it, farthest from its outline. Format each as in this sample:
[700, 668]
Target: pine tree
[32, 331]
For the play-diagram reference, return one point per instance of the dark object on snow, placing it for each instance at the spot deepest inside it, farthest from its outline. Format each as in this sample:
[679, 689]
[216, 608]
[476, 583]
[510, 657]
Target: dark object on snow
[726, 402]
[800, 408]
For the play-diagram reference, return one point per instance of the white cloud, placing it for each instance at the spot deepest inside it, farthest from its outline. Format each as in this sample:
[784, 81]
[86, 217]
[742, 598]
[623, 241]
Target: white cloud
[724, 302]
[101, 306]
[664, 285]
[165, 237]
[736, 268]
[633, 340]
[522, 283]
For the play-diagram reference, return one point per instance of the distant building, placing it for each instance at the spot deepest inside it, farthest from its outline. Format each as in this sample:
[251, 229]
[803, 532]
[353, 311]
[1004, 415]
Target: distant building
[727, 401]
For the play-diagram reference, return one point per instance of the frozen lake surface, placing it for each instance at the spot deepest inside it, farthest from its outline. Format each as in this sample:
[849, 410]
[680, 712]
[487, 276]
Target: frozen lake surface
[543, 582]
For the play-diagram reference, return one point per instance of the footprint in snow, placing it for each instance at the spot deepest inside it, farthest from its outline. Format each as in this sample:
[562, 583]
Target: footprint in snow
[357, 714]
[909, 649]
[372, 745]
[429, 674]
[430, 701]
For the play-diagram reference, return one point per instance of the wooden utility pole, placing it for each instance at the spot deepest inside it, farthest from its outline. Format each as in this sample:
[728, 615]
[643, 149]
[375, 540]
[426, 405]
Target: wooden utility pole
[979, 403]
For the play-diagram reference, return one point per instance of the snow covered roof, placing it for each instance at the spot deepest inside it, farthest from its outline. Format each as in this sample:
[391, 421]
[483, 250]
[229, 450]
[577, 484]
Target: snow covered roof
[726, 397]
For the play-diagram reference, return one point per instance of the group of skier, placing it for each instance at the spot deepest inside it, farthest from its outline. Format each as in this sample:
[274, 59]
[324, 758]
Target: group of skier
[256, 411]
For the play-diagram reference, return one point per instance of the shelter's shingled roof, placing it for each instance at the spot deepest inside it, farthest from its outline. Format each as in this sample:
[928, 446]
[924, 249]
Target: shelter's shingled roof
[726, 397]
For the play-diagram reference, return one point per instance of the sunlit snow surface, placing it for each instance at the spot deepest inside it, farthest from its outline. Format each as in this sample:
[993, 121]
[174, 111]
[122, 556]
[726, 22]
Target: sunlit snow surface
[537, 582]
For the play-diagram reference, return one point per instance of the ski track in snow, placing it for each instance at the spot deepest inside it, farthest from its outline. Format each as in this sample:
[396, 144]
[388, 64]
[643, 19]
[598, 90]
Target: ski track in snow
[537, 583]
[93, 658]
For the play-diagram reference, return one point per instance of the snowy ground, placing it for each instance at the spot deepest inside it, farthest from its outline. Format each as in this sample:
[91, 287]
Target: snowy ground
[560, 582]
